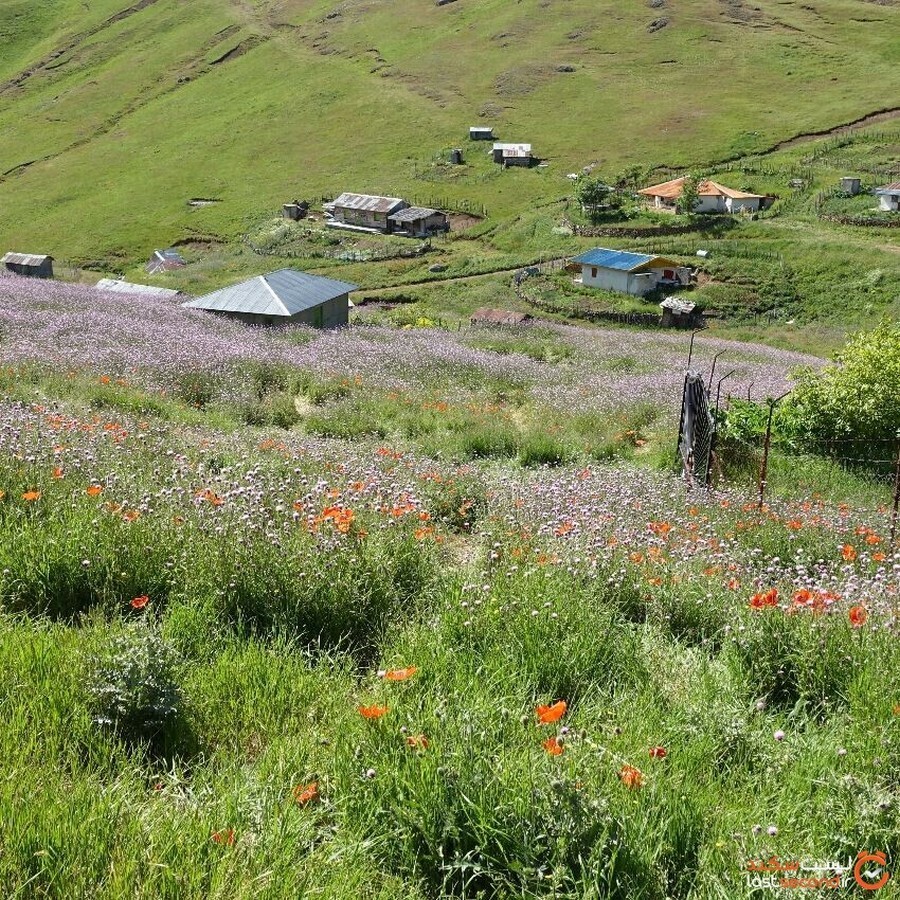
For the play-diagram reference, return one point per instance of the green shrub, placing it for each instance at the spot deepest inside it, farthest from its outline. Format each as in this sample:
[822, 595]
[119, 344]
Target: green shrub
[132, 688]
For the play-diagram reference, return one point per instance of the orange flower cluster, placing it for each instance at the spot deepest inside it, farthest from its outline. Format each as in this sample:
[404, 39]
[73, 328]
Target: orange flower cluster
[858, 615]
[848, 553]
[631, 776]
[375, 711]
[818, 600]
[659, 528]
[305, 794]
[211, 497]
[553, 746]
[553, 713]
[341, 517]
[764, 599]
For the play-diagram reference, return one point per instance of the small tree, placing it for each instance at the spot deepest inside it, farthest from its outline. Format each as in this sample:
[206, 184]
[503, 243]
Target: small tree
[690, 197]
[595, 196]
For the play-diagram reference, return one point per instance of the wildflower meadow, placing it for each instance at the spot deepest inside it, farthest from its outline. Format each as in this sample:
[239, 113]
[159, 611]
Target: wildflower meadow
[390, 613]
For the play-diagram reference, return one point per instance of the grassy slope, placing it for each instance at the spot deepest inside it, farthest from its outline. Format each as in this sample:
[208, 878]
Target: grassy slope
[315, 105]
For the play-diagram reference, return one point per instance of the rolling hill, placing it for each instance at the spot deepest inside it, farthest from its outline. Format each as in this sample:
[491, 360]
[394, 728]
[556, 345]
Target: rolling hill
[113, 117]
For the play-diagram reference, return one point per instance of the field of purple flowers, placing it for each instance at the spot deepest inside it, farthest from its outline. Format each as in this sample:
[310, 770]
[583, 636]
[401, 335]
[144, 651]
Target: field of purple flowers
[273, 662]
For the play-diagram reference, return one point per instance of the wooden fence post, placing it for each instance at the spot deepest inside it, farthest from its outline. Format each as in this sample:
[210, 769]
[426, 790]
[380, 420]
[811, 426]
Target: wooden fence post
[896, 499]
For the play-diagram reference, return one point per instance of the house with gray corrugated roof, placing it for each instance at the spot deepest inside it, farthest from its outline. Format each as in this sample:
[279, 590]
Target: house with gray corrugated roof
[363, 211]
[285, 297]
[419, 221]
[889, 197]
[32, 265]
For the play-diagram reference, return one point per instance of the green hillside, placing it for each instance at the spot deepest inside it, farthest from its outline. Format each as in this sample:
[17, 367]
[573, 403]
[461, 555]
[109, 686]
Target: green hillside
[113, 117]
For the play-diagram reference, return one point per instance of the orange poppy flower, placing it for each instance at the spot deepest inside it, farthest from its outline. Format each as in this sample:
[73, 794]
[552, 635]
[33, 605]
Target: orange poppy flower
[563, 529]
[636, 558]
[94, 490]
[897, 709]
[211, 497]
[658, 753]
[225, 836]
[764, 598]
[372, 712]
[548, 714]
[660, 528]
[733, 584]
[631, 777]
[58, 472]
[417, 742]
[31, 496]
[553, 746]
[104, 379]
[872, 539]
[140, 602]
[848, 552]
[131, 515]
[306, 793]
[400, 674]
[879, 556]
[858, 615]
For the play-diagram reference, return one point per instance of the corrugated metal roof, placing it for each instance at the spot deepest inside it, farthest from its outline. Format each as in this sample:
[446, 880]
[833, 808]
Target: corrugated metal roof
[678, 306]
[25, 259]
[891, 188]
[126, 287]
[282, 293]
[613, 259]
[521, 148]
[414, 214]
[368, 202]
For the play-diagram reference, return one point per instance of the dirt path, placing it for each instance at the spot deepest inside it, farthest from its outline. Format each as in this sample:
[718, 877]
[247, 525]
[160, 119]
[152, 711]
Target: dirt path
[451, 278]
[884, 115]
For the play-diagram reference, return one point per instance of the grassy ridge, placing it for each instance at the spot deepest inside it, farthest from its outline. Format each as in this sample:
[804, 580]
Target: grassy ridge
[136, 117]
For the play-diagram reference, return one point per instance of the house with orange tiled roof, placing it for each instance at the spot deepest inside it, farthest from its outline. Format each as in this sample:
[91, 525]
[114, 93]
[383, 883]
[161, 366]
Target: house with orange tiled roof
[712, 197]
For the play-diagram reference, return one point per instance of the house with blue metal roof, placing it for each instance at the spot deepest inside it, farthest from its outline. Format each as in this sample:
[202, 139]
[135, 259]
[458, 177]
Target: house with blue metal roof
[629, 273]
[284, 297]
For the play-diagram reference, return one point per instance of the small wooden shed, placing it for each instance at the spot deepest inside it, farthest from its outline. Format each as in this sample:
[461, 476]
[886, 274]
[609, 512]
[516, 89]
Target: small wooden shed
[479, 133]
[678, 313]
[32, 265]
[419, 221]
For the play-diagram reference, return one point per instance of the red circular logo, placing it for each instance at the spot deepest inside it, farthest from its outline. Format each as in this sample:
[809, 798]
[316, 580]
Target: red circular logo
[870, 872]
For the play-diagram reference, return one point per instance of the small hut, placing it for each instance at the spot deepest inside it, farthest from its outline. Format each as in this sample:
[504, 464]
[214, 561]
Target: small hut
[31, 265]
[477, 133]
[164, 261]
[512, 154]
[850, 186]
[678, 313]
[419, 221]
[295, 211]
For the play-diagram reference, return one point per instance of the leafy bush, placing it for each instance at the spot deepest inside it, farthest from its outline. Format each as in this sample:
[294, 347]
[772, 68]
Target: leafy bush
[858, 399]
[132, 686]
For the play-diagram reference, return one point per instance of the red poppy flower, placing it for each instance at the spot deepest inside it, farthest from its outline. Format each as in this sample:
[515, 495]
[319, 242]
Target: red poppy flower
[306, 793]
[400, 674]
[225, 836]
[58, 472]
[764, 598]
[553, 746]
[31, 496]
[372, 712]
[548, 714]
[417, 742]
[631, 777]
[94, 490]
[658, 752]
[140, 602]
[858, 615]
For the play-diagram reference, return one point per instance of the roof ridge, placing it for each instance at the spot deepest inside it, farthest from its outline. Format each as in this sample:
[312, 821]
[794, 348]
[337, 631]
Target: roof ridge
[271, 290]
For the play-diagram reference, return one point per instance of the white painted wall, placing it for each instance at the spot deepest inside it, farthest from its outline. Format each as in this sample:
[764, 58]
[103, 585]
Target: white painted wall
[889, 202]
[616, 280]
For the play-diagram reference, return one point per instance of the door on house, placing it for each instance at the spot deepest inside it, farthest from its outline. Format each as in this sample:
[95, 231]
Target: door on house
[319, 317]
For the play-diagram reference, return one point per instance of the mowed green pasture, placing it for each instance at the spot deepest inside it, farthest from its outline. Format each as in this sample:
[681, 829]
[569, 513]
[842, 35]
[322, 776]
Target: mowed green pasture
[136, 117]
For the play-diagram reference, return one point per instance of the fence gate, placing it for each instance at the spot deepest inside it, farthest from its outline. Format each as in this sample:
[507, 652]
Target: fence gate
[695, 431]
